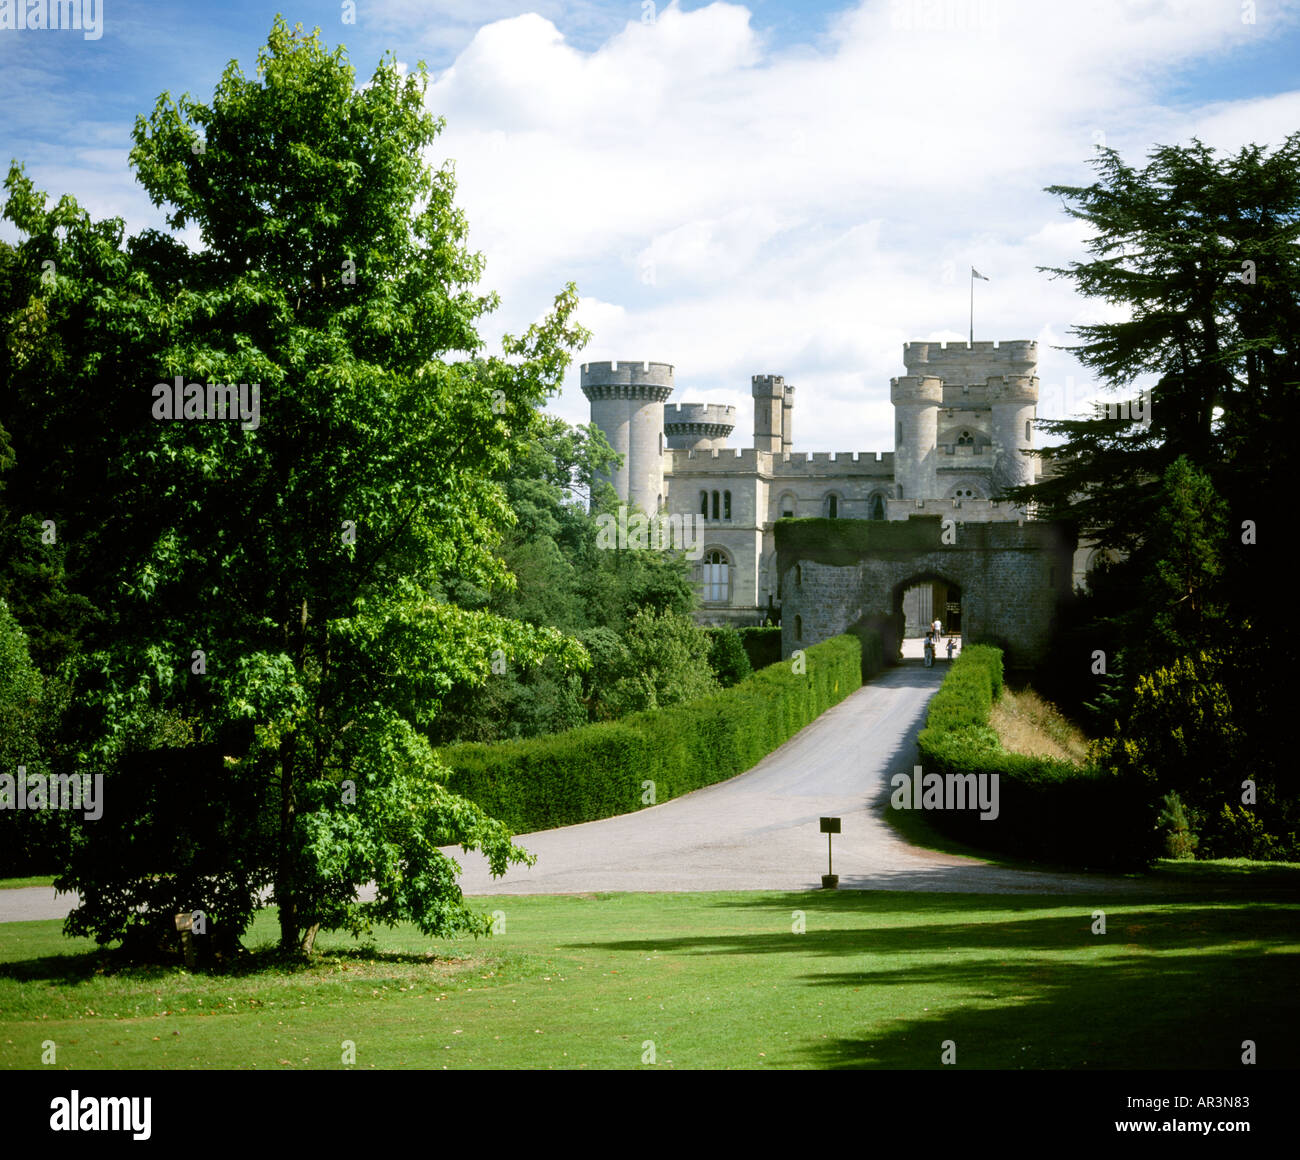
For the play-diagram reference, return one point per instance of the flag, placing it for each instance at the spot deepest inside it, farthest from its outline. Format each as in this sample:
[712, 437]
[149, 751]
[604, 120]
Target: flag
[974, 273]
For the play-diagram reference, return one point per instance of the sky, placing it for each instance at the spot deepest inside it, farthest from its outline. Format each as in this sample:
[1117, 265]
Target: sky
[778, 187]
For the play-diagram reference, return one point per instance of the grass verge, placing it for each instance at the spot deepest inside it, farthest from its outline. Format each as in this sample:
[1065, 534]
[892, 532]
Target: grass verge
[725, 980]
[18, 883]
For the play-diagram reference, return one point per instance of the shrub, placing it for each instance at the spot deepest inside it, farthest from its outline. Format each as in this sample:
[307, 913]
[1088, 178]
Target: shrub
[1048, 809]
[1180, 841]
[597, 771]
[762, 645]
[727, 656]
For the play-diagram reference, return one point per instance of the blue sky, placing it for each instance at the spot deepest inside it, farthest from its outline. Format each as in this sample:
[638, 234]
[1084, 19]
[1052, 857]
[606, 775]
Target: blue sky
[776, 187]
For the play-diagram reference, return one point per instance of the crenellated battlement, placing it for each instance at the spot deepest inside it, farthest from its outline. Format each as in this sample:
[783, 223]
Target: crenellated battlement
[714, 414]
[926, 389]
[599, 377]
[967, 364]
[777, 465]
[769, 386]
[1022, 390]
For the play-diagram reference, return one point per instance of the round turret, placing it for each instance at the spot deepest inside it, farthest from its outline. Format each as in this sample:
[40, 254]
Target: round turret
[916, 400]
[698, 426]
[1013, 400]
[627, 405]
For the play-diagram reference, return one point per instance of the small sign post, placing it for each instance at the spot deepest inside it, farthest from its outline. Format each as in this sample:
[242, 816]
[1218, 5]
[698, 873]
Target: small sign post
[830, 826]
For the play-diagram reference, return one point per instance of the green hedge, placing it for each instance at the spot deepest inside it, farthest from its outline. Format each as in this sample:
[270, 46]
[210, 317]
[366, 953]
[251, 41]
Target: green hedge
[597, 771]
[762, 645]
[1048, 810]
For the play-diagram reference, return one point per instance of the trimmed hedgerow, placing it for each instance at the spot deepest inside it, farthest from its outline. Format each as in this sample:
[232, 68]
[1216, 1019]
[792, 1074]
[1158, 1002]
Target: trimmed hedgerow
[762, 645]
[1048, 810]
[597, 771]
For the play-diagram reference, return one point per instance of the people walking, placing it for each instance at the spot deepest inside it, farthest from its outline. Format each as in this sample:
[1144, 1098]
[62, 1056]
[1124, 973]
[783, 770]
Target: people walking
[929, 650]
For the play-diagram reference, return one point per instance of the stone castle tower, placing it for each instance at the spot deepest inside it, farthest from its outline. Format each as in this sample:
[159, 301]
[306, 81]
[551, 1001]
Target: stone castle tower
[963, 421]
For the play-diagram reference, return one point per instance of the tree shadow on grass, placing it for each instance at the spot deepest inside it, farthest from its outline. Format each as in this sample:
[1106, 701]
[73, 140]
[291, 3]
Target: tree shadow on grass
[1134, 1011]
[266, 959]
[1167, 987]
[1165, 929]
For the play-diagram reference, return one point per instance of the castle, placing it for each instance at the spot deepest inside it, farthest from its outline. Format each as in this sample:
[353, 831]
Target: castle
[964, 416]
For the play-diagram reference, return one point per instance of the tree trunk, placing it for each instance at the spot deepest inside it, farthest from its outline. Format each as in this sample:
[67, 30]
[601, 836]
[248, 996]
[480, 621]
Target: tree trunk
[285, 888]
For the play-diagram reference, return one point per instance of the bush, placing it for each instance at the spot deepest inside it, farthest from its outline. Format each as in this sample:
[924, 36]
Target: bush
[762, 645]
[598, 771]
[1049, 810]
[727, 657]
[1179, 840]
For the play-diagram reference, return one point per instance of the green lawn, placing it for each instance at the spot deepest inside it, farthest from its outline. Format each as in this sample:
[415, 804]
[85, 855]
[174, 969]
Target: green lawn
[18, 883]
[714, 980]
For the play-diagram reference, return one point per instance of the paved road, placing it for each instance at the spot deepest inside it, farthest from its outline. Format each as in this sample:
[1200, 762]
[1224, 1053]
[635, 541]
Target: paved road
[758, 831]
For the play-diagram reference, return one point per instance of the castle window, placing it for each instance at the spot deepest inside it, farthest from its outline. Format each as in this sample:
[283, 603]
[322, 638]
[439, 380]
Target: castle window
[877, 507]
[965, 439]
[798, 575]
[715, 505]
[704, 504]
[832, 506]
[1027, 427]
[717, 578]
[787, 506]
[726, 505]
[898, 436]
[798, 628]
[900, 492]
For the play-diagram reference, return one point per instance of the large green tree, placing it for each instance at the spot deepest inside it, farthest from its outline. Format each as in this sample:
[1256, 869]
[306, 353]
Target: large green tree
[1199, 254]
[277, 585]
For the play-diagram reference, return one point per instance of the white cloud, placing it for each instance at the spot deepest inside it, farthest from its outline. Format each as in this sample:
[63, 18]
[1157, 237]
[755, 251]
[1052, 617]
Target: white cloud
[735, 209]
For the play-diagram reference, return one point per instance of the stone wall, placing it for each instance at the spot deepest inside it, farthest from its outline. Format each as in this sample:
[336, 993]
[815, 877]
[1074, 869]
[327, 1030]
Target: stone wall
[1013, 577]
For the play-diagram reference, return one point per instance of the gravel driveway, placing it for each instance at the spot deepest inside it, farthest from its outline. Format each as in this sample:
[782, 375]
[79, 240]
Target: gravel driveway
[758, 831]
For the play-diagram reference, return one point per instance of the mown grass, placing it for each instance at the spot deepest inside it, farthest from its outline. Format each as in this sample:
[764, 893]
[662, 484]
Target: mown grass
[876, 979]
[18, 883]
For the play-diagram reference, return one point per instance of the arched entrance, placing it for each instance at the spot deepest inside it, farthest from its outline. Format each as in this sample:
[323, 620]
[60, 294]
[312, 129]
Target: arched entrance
[998, 582]
[916, 602]
[925, 599]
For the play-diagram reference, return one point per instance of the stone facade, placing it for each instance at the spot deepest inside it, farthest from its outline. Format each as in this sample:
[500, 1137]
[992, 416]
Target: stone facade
[1012, 577]
[964, 419]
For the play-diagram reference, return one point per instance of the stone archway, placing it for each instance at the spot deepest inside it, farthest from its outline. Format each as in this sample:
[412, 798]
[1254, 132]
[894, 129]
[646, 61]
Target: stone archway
[1012, 577]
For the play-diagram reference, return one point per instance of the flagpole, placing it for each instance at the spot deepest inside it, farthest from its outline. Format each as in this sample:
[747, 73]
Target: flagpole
[972, 308]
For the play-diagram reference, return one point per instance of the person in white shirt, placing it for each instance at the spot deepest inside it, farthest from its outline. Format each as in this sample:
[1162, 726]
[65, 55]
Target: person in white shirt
[936, 628]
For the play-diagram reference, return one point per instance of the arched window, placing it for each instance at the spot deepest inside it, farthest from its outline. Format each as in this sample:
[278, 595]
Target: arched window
[726, 505]
[661, 503]
[786, 507]
[717, 578]
[1028, 437]
[900, 492]
[704, 504]
[877, 507]
[965, 439]
[833, 506]
[798, 628]
[715, 505]
[798, 575]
